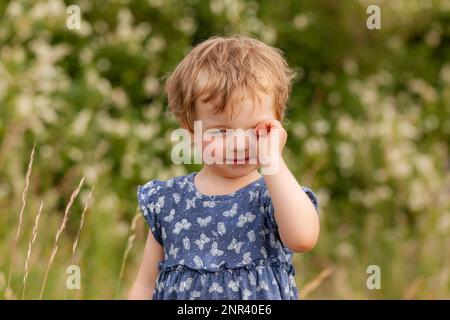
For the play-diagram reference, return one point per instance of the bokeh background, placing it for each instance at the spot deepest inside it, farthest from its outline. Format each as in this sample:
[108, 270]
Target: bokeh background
[368, 125]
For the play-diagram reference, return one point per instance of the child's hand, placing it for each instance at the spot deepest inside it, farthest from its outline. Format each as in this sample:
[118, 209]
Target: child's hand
[271, 141]
[272, 131]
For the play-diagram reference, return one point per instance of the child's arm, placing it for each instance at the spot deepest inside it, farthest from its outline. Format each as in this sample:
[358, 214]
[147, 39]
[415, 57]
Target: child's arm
[294, 212]
[148, 271]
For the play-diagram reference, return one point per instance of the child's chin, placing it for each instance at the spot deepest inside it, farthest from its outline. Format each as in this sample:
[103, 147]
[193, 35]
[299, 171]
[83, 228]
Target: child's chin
[236, 170]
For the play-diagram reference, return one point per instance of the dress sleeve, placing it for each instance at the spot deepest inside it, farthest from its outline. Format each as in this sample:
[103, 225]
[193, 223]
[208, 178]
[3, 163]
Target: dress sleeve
[150, 205]
[269, 210]
[312, 196]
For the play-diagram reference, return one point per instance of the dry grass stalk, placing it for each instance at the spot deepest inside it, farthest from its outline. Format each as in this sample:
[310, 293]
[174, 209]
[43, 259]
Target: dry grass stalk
[30, 245]
[22, 209]
[58, 234]
[77, 238]
[413, 288]
[315, 283]
[130, 243]
[75, 243]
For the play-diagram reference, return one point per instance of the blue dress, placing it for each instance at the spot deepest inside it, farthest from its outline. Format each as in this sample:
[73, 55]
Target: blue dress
[217, 247]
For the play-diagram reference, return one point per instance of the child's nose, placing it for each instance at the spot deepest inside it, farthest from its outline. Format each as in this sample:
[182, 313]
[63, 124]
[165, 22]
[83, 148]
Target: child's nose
[240, 143]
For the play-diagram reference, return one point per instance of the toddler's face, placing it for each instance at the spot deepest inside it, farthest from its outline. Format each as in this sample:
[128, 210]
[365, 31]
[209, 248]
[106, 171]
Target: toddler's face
[243, 147]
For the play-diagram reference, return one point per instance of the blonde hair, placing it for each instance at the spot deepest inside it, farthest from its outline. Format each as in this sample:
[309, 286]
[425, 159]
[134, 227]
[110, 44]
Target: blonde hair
[224, 70]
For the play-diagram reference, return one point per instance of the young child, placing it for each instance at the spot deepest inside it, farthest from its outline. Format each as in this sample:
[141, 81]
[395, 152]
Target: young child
[227, 232]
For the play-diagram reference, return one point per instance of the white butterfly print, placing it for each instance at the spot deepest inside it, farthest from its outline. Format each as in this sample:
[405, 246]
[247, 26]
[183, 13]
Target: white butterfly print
[186, 243]
[244, 218]
[185, 284]
[181, 261]
[247, 258]
[273, 242]
[221, 228]
[215, 286]
[215, 251]
[253, 195]
[149, 184]
[251, 236]
[183, 183]
[252, 279]
[194, 294]
[232, 212]
[209, 204]
[262, 286]
[259, 269]
[169, 183]
[202, 241]
[160, 286]
[204, 222]
[198, 262]
[151, 192]
[190, 203]
[167, 280]
[173, 251]
[234, 245]
[203, 278]
[246, 294]
[156, 207]
[171, 289]
[264, 232]
[263, 252]
[170, 216]
[274, 282]
[233, 285]
[263, 209]
[214, 265]
[176, 197]
[180, 225]
[163, 233]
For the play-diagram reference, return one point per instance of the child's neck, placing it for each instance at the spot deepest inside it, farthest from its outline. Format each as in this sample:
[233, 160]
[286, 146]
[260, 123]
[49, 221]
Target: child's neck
[211, 183]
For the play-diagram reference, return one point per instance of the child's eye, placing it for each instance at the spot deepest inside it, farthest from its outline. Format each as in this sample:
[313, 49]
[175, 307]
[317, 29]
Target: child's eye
[220, 132]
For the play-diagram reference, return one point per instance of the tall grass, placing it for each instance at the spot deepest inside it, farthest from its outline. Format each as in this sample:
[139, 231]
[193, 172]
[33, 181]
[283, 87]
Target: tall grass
[30, 245]
[77, 238]
[58, 235]
[8, 290]
[19, 225]
[128, 247]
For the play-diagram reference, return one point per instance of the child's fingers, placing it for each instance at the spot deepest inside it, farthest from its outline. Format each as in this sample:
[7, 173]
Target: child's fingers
[264, 127]
[259, 128]
[276, 124]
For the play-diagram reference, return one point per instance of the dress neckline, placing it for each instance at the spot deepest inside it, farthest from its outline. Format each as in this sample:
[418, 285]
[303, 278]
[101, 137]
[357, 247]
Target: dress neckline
[231, 195]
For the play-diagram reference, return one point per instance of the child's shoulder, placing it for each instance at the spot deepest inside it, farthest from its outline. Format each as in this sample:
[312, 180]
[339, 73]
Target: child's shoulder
[155, 188]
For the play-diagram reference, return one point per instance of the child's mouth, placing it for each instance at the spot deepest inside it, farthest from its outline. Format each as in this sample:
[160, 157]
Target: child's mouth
[239, 161]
